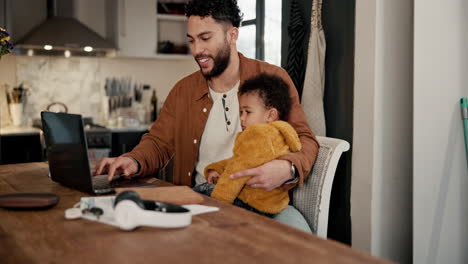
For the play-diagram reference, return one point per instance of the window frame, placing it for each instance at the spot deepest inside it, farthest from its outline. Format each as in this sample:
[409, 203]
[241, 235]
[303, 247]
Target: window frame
[259, 22]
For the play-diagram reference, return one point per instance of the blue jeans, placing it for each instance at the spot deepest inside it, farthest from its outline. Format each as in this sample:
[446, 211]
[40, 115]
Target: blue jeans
[289, 216]
[207, 189]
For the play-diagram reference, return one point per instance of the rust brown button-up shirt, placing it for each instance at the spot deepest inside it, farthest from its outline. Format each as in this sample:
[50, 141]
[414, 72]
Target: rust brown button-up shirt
[180, 125]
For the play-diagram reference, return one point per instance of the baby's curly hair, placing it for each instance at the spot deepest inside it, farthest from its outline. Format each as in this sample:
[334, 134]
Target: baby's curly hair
[273, 91]
[225, 11]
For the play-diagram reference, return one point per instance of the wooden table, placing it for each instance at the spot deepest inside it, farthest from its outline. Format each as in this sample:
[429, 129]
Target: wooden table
[232, 235]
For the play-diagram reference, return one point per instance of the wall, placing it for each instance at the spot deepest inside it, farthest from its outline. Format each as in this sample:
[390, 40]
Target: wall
[363, 137]
[381, 187]
[391, 231]
[92, 14]
[8, 69]
[7, 79]
[79, 81]
[440, 170]
[21, 22]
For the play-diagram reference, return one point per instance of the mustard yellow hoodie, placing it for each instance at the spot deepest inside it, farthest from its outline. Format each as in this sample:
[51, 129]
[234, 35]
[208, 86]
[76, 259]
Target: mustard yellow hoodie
[253, 147]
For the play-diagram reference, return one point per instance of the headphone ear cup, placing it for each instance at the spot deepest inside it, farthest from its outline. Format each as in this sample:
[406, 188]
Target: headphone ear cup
[129, 195]
[127, 208]
[126, 214]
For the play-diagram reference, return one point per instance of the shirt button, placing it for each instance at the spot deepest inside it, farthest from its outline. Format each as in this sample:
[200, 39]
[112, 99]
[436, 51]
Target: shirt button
[204, 110]
[189, 174]
[227, 108]
[194, 141]
[228, 123]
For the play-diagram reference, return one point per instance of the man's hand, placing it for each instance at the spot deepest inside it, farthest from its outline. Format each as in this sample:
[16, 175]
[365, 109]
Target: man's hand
[213, 177]
[268, 176]
[121, 165]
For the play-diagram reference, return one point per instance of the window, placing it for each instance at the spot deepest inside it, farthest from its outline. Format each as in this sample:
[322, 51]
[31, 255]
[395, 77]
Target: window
[260, 31]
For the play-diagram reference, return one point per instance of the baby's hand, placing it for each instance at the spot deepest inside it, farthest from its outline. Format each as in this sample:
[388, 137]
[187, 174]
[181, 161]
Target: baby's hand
[212, 177]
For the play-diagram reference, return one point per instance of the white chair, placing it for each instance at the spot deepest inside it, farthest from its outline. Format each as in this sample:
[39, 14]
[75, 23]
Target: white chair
[313, 199]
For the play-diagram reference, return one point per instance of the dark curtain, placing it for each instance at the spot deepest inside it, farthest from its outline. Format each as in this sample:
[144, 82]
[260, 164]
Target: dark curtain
[298, 30]
[338, 20]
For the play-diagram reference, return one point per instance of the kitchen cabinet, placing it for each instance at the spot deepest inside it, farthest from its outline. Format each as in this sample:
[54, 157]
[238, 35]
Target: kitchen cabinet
[20, 148]
[148, 29]
[136, 34]
[21, 16]
[25, 145]
[171, 28]
[123, 142]
[3, 18]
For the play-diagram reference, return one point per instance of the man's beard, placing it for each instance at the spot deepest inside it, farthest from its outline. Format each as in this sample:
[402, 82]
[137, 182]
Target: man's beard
[221, 61]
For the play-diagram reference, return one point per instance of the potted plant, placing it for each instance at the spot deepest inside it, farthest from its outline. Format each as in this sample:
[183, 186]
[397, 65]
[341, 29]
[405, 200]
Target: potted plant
[5, 46]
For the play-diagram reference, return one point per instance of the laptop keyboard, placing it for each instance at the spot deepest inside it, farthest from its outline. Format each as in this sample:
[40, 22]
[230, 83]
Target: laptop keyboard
[100, 182]
[101, 185]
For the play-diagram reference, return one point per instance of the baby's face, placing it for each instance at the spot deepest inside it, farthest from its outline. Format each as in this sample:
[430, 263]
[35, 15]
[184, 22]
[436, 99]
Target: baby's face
[253, 110]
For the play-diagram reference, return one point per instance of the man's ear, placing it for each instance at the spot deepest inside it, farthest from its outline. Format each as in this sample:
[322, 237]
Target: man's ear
[273, 115]
[233, 34]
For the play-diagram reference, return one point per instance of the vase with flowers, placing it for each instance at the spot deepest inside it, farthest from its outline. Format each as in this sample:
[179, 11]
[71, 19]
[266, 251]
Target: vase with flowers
[5, 45]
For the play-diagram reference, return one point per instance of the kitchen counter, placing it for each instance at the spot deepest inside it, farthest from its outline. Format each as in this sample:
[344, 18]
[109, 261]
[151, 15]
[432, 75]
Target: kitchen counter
[26, 144]
[26, 131]
[19, 131]
[130, 129]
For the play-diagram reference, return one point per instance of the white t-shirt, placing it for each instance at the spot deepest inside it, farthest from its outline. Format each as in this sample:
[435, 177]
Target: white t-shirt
[220, 132]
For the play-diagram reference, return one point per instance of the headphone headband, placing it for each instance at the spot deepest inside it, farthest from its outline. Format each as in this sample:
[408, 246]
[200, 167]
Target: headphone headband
[131, 212]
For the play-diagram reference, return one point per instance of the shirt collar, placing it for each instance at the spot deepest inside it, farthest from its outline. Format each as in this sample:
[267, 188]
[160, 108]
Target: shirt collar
[242, 70]
[201, 82]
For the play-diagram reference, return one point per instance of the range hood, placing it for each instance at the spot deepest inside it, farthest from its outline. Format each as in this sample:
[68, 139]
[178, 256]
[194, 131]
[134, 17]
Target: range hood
[63, 36]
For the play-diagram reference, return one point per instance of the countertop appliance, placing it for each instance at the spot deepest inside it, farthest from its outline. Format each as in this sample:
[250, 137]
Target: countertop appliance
[99, 142]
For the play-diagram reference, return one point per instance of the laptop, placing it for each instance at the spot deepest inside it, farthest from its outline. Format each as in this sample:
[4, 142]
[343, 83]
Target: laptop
[67, 153]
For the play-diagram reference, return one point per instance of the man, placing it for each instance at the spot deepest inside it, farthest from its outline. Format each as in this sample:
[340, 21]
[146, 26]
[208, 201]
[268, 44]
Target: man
[200, 117]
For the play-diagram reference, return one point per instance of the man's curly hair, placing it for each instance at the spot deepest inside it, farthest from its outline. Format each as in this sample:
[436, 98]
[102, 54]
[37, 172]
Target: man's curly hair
[273, 91]
[225, 11]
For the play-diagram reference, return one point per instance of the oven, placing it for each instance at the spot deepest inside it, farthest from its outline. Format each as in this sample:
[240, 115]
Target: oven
[99, 143]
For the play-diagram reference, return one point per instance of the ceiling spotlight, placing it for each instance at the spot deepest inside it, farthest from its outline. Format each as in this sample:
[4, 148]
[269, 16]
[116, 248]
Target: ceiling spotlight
[30, 52]
[48, 47]
[67, 54]
[88, 48]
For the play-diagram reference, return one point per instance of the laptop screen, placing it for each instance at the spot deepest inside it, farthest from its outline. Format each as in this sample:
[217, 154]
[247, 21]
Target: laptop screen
[67, 150]
[60, 128]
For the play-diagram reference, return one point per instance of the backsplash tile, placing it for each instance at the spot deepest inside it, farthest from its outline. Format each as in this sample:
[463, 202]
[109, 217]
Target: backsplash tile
[78, 82]
[74, 82]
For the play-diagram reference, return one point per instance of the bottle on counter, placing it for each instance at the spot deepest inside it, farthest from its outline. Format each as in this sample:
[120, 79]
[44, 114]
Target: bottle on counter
[154, 106]
[146, 101]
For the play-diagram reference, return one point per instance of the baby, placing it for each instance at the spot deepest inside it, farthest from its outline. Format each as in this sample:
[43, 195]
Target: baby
[263, 101]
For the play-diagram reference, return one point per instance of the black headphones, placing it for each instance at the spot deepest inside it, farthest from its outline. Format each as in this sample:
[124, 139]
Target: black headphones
[131, 211]
[129, 195]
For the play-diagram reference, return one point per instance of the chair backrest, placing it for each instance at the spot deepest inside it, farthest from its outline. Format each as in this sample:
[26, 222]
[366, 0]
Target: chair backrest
[313, 199]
